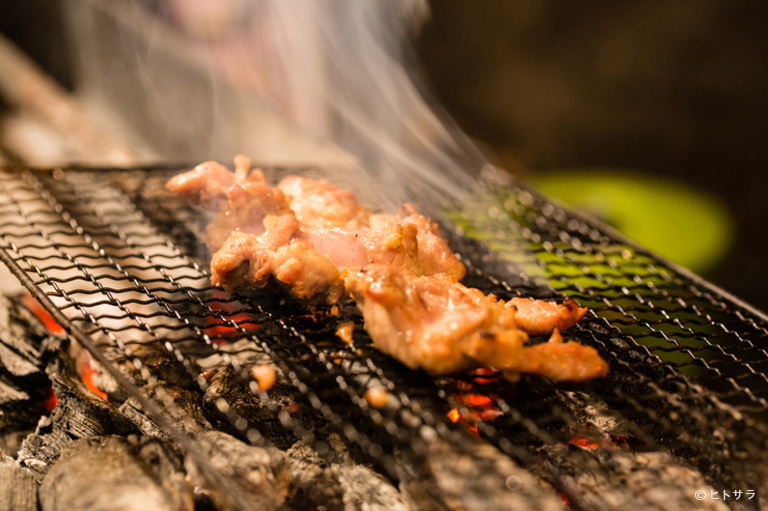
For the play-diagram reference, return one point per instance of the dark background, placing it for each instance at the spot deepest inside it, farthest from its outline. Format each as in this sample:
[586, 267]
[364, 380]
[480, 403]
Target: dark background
[672, 88]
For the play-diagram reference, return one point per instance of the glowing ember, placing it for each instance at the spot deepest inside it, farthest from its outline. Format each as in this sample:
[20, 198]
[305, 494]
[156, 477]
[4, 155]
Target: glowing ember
[454, 415]
[479, 400]
[582, 442]
[37, 309]
[485, 375]
[220, 330]
[50, 403]
[87, 372]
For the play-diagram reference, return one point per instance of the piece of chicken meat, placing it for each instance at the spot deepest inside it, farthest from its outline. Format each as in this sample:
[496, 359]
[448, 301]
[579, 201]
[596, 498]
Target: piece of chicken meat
[319, 243]
[442, 326]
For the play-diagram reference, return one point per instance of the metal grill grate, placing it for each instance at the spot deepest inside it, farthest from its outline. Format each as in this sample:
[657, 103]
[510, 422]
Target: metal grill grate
[122, 260]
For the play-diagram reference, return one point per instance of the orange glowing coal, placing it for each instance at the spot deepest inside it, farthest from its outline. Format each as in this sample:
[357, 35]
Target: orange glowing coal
[50, 403]
[37, 309]
[84, 369]
[582, 442]
[219, 330]
[479, 408]
[87, 373]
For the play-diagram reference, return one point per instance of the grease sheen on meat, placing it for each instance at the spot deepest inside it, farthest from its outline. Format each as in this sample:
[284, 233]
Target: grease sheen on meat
[316, 241]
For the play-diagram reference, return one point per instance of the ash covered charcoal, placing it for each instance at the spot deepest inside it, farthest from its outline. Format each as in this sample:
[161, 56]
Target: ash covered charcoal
[228, 391]
[341, 484]
[23, 382]
[78, 414]
[262, 474]
[18, 488]
[595, 414]
[476, 478]
[112, 473]
[364, 489]
[613, 479]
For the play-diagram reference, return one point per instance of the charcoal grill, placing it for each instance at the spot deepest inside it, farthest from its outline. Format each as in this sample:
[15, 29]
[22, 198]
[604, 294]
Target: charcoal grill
[119, 263]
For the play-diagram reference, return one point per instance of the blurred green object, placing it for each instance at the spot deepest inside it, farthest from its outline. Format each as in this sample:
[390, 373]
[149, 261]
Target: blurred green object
[671, 218]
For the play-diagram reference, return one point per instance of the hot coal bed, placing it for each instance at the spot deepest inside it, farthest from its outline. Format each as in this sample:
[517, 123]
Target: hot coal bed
[126, 377]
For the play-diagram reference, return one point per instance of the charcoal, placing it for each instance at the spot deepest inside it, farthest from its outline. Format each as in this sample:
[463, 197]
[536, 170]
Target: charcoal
[482, 478]
[10, 441]
[111, 473]
[417, 486]
[363, 489]
[133, 411]
[189, 403]
[344, 486]
[21, 338]
[614, 479]
[23, 382]
[262, 474]
[478, 477]
[18, 488]
[313, 484]
[155, 361]
[9, 395]
[229, 391]
[78, 414]
[16, 363]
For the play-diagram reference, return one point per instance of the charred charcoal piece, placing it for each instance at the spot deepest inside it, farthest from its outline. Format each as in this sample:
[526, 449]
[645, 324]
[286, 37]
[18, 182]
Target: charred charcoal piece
[228, 391]
[157, 362]
[609, 478]
[364, 489]
[78, 414]
[147, 426]
[480, 478]
[338, 486]
[261, 473]
[23, 381]
[187, 401]
[313, 484]
[110, 473]
[18, 488]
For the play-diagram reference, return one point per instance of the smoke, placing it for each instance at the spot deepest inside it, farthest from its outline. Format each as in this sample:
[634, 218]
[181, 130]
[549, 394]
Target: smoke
[202, 79]
[374, 107]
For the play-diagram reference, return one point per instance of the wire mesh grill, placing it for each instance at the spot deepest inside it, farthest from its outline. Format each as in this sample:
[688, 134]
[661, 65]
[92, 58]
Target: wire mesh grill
[123, 260]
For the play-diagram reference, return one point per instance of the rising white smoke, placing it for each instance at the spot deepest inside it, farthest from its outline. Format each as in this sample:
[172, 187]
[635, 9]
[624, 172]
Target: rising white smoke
[351, 57]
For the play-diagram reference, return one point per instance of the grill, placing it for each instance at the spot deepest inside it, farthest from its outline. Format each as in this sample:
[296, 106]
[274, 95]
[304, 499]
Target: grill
[119, 263]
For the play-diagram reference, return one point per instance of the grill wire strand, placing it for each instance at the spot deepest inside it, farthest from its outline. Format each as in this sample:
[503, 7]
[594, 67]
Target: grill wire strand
[119, 261]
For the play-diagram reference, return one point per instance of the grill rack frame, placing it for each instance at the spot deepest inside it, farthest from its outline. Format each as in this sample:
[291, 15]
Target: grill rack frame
[545, 240]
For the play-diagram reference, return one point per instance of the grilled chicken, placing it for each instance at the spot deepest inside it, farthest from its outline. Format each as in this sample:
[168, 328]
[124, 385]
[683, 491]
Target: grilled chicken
[319, 243]
[438, 324]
